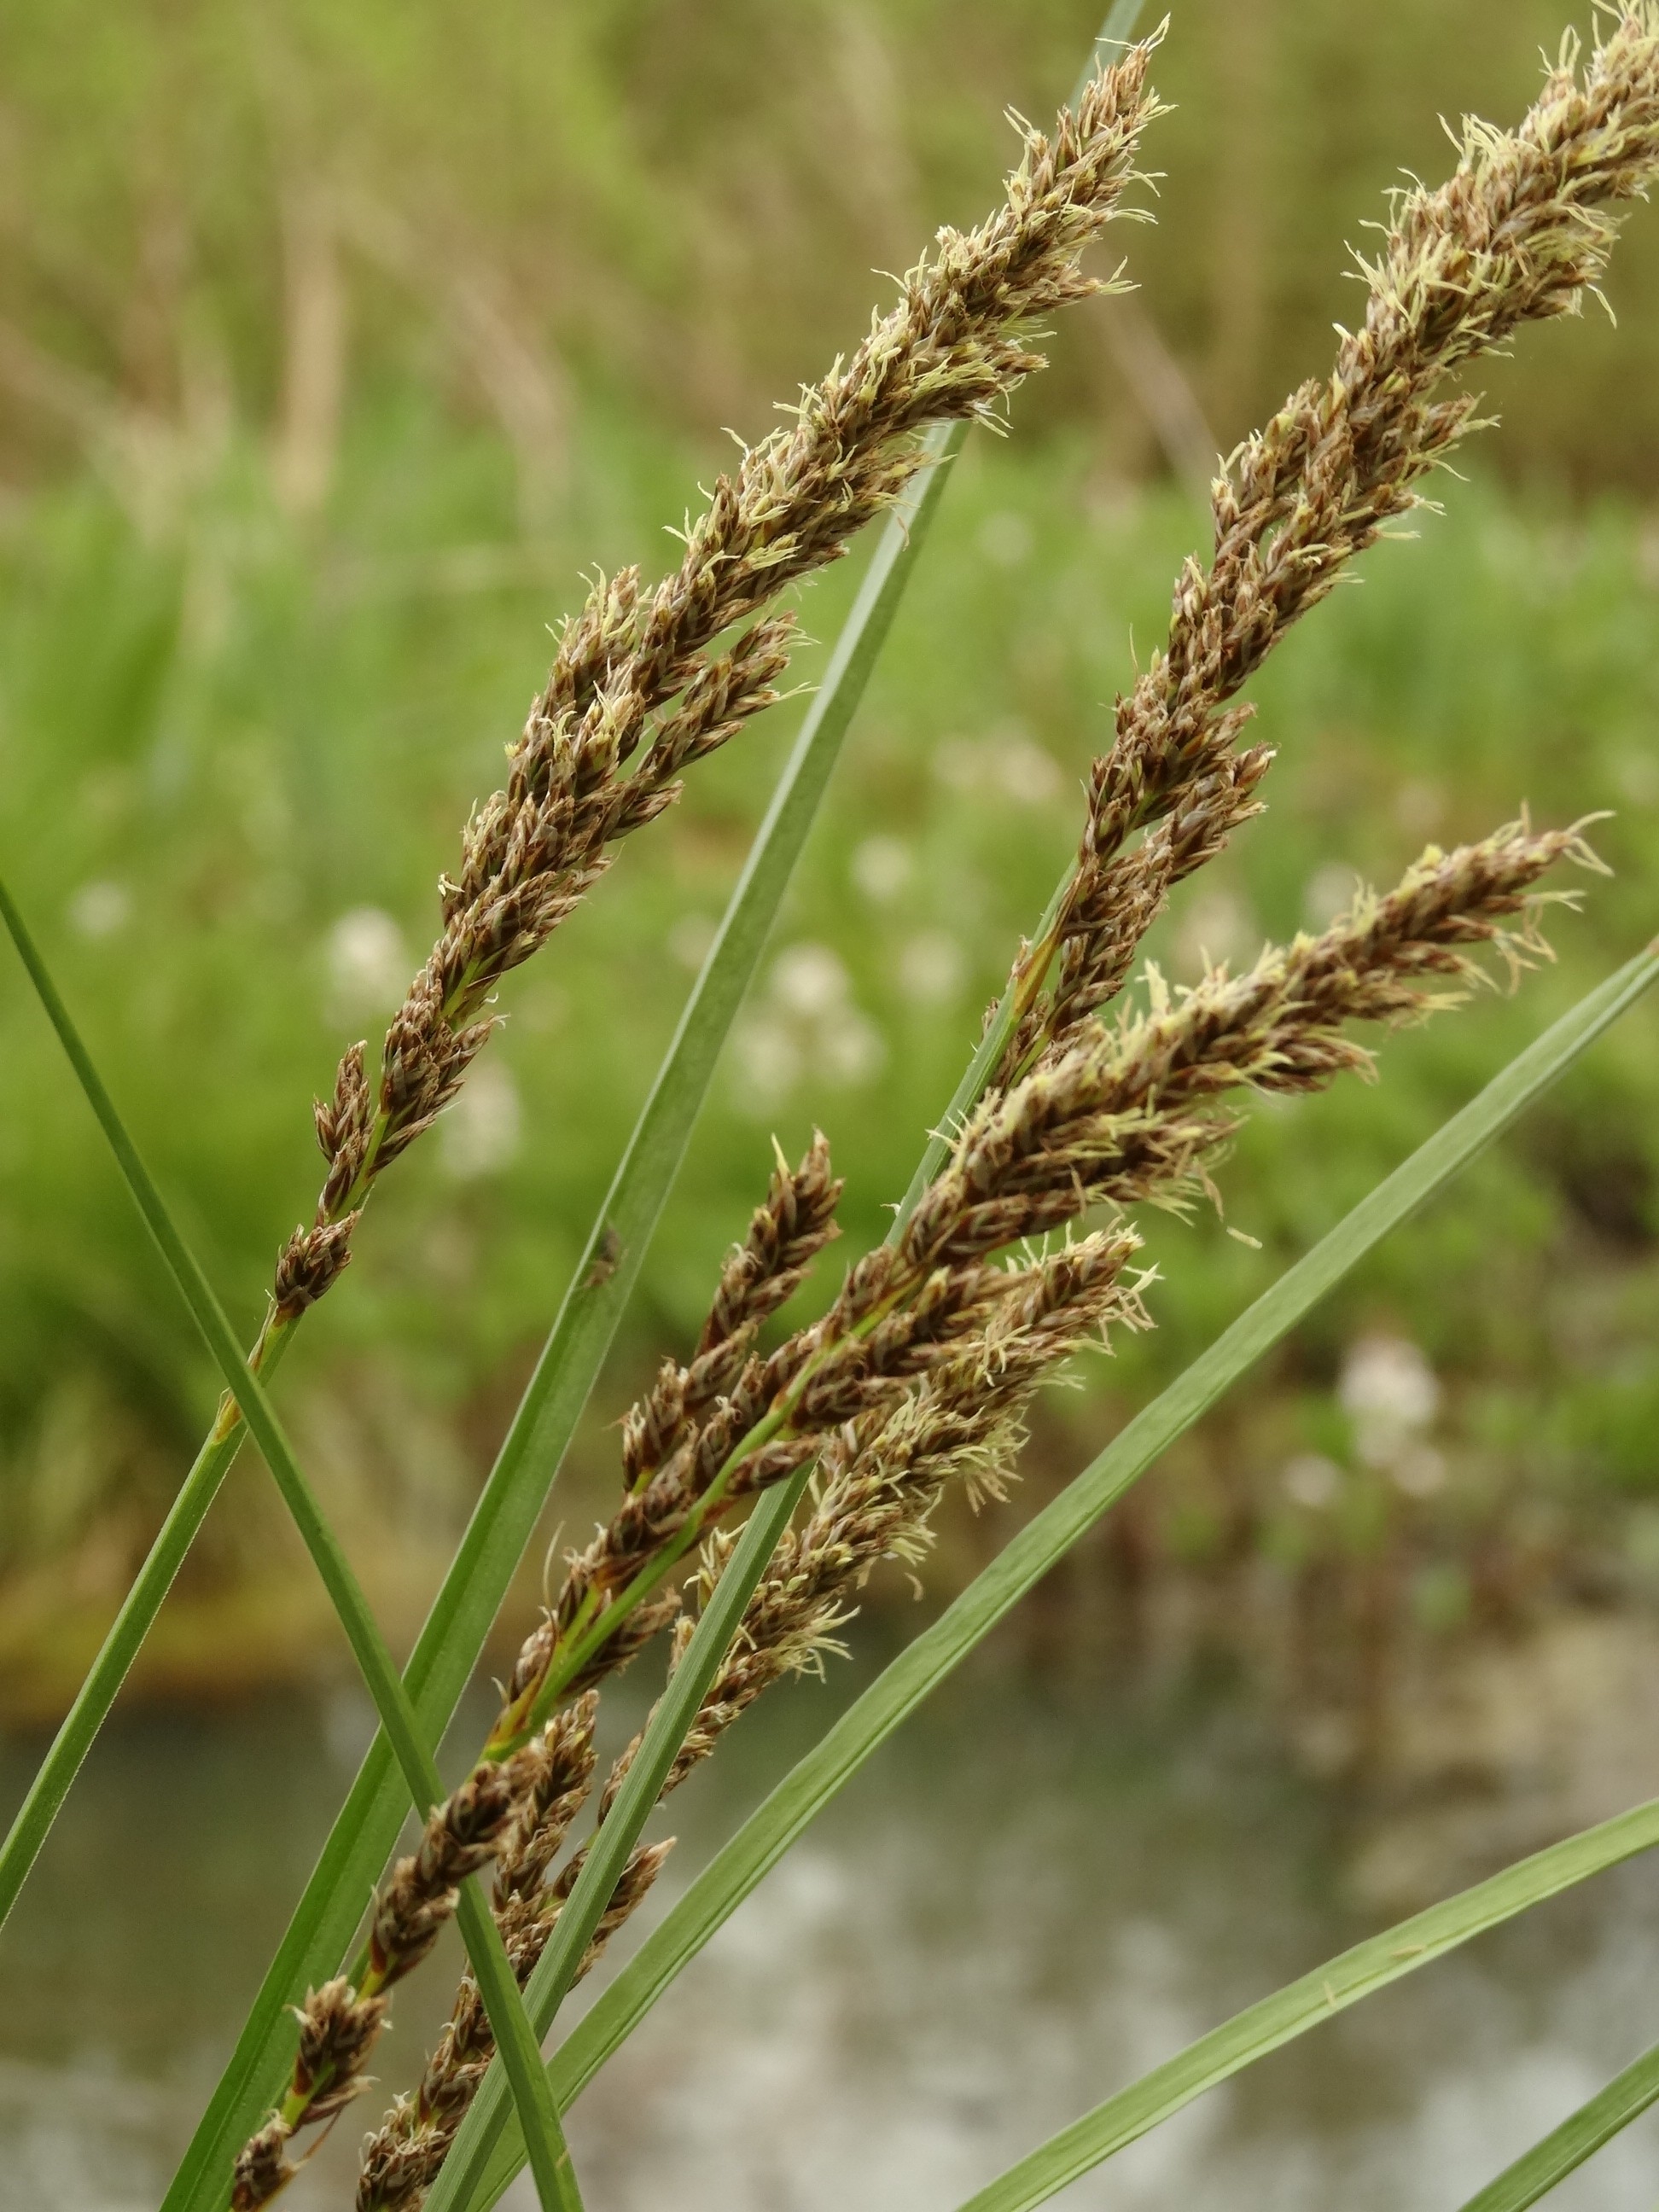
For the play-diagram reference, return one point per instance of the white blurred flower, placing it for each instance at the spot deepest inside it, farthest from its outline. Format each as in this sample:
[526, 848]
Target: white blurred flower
[931, 968]
[99, 909]
[1329, 892]
[1311, 1480]
[1419, 1471]
[368, 964]
[806, 1024]
[881, 868]
[1218, 925]
[808, 980]
[484, 1129]
[689, 939]
[1389, 1393]
[767, 1061]
[1006, 539]
[1028, 774]
[959, 764]
[1007, 765]
[850, 1047]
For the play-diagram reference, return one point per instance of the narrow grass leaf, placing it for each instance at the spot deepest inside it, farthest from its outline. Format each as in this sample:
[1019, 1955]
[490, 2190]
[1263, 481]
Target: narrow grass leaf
[1306, 2004]
[519, 2047]
[32, 1822]
[1116, 32]
[505, 1517]
[767, 1835]
[1555, 2155]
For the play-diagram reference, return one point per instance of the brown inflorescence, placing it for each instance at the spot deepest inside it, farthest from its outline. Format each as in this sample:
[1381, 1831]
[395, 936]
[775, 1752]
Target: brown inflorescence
[1519, 233]
[340, 2022]
[670, 1448]
[642, 687]
[403, 2155]
[1126, 1115]
[880, 1475]
[923, 1367]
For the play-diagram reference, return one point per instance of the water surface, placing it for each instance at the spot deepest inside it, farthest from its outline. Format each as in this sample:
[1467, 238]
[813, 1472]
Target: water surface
[1028, 1898]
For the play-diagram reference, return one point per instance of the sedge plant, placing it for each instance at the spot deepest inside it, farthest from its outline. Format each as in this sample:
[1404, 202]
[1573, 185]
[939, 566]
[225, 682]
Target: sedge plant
[1015, 1245]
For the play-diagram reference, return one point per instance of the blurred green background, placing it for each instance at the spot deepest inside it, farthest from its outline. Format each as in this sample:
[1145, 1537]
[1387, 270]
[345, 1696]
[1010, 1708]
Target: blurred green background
[336, 344]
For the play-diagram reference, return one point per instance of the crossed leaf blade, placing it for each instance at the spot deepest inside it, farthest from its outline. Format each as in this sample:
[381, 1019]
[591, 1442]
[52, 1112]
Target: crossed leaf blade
[520, 2051]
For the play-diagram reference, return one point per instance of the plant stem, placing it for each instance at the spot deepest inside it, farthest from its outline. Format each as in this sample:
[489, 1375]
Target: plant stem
[1565, 2148]
[120, 1647]
[519, 2047]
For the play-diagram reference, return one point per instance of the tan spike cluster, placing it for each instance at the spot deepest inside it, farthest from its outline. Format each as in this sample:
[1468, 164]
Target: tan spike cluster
[641, 688]
[1519, 233]
[893, 1410]
[341, 2022]
[923, 1366]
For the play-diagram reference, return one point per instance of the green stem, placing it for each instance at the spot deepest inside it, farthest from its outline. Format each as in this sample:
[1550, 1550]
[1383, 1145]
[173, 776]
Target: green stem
[977, 1076]
[1564, 2148]
[120, 1647]
[519, 2049]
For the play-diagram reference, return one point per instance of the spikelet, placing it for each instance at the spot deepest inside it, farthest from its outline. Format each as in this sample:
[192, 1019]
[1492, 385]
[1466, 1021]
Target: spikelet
[340, 2023]
[641, 688]
[1521, 233]
[959, 1344]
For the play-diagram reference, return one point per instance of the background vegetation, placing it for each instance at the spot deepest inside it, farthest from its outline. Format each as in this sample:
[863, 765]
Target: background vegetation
[335, 344]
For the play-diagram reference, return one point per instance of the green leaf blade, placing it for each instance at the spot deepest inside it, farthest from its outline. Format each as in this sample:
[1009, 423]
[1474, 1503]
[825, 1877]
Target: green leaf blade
[1307, 2003]
[1565, 2148]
